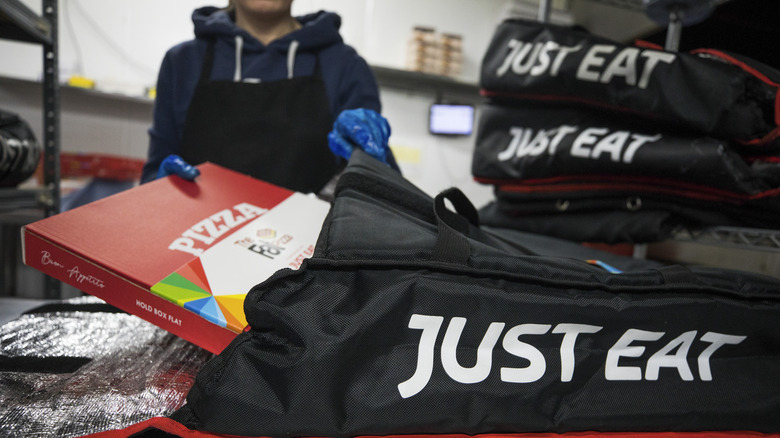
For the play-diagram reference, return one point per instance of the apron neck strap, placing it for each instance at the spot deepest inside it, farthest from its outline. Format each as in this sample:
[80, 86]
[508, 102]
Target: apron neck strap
[208, 62]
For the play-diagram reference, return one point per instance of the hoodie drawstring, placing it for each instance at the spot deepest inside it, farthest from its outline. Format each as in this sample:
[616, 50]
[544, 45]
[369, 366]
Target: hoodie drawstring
[291, 58]
[239, 49]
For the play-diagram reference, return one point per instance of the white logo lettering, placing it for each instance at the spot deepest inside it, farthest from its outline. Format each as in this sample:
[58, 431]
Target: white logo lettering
[623, 348]
[534, 58]
[661, 359]
[653, 58]
[602, 63]
[430, 326]
[514, 346]
[716, 341]
[570, 333]
[590, 143]
[624, 64]
[449, 349]
[592, 59]
[674, 354]
[213, 227]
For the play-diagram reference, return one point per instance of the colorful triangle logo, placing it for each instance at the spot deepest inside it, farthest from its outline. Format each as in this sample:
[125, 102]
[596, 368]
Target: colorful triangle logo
[233, 309]
[194, 272]
[208, 309]
[179, 290]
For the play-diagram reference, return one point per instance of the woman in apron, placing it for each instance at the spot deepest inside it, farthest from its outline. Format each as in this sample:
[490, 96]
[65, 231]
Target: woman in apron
[257, 91]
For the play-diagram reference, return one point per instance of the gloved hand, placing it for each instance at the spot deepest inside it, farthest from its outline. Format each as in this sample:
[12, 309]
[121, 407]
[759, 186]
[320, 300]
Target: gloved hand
[175, 165]
[365, 129]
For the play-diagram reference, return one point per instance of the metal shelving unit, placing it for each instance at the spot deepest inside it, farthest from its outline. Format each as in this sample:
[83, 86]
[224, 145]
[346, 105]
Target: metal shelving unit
[745, 249]
[748, 238]
[425, 82]
[19, 23]
[639, 5]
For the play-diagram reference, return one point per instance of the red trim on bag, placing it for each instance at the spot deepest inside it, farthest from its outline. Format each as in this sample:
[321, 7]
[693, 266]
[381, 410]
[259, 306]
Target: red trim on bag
[741, 64]
[772, 136]
[761, 159]
[167, 425]
[752, 70]
[607, 187]
[591, 434]
[580, 183]
[642, 44]
[613, 182]
[161, 423]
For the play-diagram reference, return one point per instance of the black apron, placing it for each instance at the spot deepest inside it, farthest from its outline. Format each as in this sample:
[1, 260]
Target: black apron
[274, 131]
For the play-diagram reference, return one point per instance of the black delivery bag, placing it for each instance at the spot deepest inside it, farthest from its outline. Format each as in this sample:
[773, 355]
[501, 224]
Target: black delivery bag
[411, 319]
[719, 94]
[556, 169]
[539, 144]
[19, 150]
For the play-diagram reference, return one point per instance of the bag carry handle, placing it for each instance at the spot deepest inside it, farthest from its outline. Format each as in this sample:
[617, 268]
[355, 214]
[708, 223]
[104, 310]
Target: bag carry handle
[452, 245]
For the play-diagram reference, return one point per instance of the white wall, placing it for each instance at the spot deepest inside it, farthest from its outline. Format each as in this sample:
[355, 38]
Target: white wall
[121, 43]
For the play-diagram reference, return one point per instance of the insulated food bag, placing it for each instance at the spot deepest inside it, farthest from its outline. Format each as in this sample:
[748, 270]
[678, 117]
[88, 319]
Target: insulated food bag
[707, 91]
[412, 319]
[592, 140]
[556, 169]
[537, 143]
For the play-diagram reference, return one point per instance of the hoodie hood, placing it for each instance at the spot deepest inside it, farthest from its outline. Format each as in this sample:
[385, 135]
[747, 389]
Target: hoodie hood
[318, 30]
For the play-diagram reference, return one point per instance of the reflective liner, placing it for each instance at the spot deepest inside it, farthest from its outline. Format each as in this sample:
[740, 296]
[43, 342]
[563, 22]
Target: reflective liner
[129, 371]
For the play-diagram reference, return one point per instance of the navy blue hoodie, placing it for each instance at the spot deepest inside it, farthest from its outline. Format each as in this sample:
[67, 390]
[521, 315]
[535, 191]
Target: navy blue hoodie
[349, 82]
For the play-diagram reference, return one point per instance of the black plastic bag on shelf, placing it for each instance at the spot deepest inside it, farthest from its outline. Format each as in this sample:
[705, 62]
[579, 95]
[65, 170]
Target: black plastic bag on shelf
[556, 168]
[19, 150]
[604, 226]
[712, 92]
[557, 209]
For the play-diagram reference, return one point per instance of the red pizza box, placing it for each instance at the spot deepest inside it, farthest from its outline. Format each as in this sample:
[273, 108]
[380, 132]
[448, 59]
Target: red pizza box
[161, 234]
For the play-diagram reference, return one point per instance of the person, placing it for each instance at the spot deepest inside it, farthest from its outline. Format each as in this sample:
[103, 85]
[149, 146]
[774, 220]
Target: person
[258, 91]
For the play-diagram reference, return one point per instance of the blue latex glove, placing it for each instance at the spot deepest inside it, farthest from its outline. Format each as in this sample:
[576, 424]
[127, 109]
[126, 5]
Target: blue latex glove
[175, 165]
[365, 129]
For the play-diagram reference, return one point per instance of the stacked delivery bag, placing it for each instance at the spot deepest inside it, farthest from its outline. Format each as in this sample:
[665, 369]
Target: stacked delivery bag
[19, 149]
[591, 140]
[412, 319]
